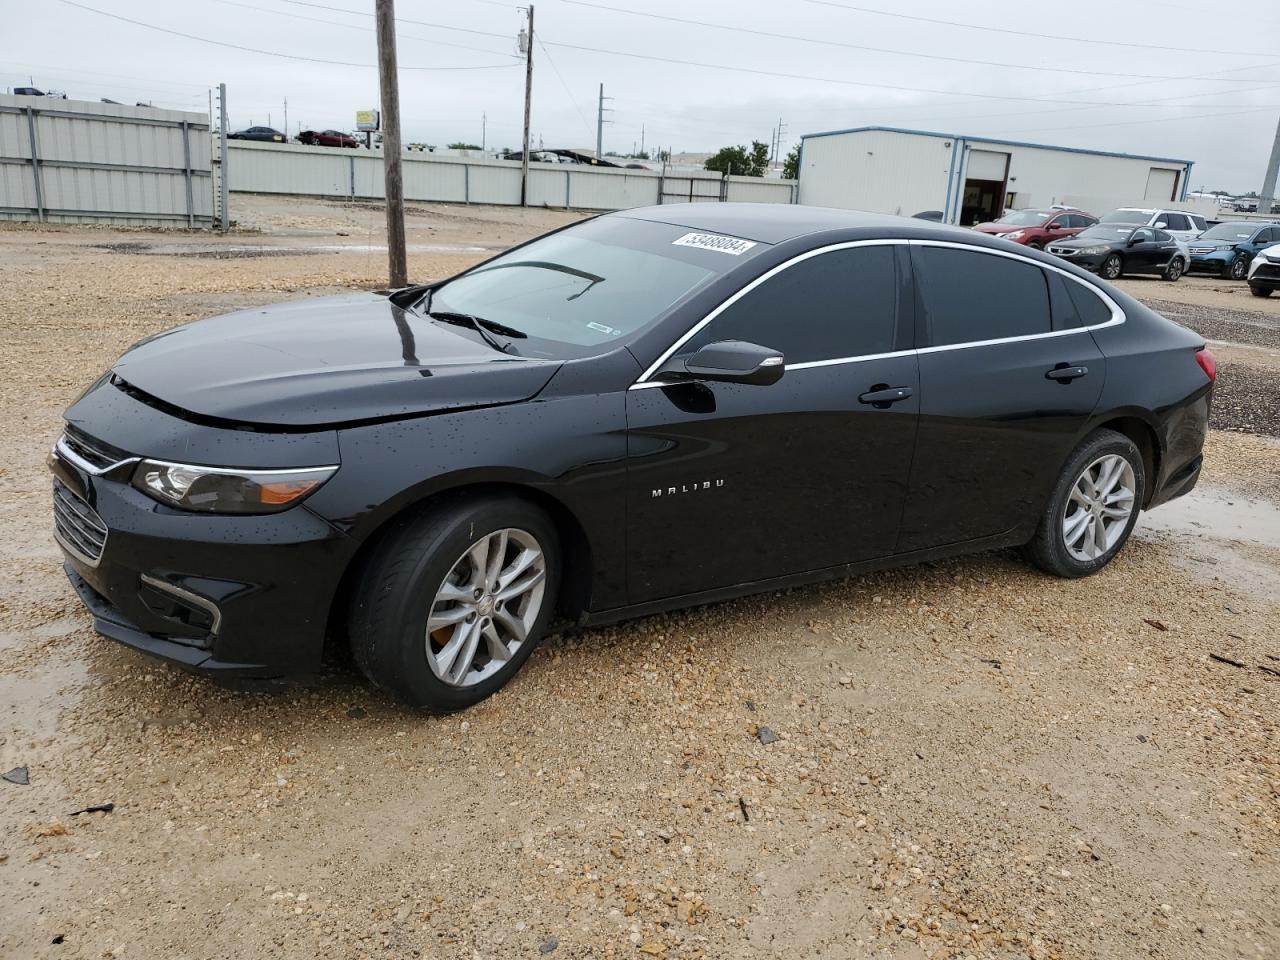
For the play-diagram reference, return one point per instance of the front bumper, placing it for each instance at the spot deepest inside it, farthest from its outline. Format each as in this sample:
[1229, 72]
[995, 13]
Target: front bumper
[231, 595]
[1214, 262]
[1088, 261]
[1265, 275]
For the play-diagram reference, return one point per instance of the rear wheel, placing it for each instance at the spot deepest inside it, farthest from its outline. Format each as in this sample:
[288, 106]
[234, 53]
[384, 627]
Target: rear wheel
[1173, 269]
[1093, 507]
[454, 601]
[1259, 291]
[1112, 267]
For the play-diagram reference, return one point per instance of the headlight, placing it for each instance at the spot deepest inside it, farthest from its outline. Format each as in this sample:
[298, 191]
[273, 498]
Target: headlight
[1016, 235]
[219, 490]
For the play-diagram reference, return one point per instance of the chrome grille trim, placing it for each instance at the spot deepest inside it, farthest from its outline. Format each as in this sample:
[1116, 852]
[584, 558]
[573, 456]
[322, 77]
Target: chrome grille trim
[77, 526]
[70, 449]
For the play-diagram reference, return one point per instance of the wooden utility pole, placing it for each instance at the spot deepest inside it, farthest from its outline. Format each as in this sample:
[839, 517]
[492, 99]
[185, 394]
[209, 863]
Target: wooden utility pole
[390, 88]
[528, 103]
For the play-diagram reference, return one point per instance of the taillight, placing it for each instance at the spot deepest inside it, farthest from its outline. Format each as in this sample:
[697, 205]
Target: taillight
[1208, 363]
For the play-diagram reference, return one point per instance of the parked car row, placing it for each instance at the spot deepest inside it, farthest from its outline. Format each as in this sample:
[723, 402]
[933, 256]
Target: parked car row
[318, 138]
[1134, 240]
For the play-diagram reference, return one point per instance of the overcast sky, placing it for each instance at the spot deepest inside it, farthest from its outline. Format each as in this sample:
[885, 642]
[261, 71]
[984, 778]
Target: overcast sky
[1217, 105]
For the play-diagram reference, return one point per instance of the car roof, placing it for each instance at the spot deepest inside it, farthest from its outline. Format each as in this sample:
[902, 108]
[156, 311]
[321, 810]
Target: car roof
[777, 222]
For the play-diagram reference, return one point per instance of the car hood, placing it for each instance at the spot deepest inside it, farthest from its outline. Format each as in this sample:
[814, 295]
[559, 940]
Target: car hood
[995, 229]
[326, 362]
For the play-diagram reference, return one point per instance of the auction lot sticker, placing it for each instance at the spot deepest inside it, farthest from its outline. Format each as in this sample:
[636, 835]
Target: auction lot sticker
[711, 241]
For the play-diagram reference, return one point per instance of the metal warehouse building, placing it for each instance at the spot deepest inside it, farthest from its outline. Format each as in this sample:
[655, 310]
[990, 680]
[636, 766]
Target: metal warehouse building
[973, 179]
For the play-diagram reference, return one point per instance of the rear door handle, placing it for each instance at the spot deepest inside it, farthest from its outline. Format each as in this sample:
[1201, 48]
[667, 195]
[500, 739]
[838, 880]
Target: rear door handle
[883, 396]
[1065, 374]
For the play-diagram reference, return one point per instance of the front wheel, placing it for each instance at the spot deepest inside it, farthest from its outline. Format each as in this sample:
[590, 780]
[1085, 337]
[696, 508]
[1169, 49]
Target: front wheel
[1112, 267]
[1236, 269]
[1259, 291]
[1093, 507]
[1173, 270]
[454, 600]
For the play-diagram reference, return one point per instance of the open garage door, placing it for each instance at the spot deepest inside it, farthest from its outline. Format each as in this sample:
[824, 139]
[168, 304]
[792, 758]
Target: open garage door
[986, 173]
[1161, 185]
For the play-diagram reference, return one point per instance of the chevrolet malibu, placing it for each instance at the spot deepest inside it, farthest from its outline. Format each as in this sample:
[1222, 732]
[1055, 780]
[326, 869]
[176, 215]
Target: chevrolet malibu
[639, 412]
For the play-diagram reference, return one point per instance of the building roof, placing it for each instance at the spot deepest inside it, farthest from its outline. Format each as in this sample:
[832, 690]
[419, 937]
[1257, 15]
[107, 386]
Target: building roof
[1007, 143]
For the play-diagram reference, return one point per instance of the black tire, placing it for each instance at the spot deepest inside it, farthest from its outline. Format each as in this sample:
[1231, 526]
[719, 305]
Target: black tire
[1035, 245]
[1236, 269]
[1048, 549]
[1112, 268]
[1174, 269]
[395, 591]
[1259, 291]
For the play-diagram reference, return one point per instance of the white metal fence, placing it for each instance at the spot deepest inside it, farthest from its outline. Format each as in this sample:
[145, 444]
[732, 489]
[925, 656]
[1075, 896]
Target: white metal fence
[332, 172]
[75, 161]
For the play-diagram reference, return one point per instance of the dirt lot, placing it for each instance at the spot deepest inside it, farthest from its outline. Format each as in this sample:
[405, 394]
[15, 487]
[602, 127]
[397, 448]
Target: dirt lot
[973, 760]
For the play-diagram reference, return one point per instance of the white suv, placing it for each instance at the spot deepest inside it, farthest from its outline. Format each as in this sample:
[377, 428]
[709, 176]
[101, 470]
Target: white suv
[1183, 225]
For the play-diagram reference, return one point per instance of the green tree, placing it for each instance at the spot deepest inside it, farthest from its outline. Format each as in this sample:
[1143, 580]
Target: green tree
[464, 146]
[740, 162]
[791, 165]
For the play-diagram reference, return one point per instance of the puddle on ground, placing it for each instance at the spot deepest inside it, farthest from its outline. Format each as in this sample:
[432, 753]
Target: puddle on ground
[1222, 537]
[1211, 512]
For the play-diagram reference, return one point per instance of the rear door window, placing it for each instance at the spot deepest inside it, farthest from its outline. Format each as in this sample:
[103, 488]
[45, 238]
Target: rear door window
[1175, 221]
[843, 303]
[970, 296]
[1090, 308]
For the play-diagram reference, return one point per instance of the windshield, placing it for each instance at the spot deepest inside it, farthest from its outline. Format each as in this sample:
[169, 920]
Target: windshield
[1127, 216]
[1228, 231]
[1023, 218]
[586, 287]
[1099, 232]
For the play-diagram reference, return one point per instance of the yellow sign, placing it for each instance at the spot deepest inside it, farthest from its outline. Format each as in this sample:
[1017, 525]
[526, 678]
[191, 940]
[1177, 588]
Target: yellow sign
[367, 119]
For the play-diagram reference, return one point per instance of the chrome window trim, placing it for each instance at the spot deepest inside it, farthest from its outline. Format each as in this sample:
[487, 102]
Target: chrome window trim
[1117, 315]
[204, 603]
[643, 379]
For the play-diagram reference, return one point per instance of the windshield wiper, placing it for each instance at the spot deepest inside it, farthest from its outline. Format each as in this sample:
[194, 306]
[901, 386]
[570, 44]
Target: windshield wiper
[481, 326]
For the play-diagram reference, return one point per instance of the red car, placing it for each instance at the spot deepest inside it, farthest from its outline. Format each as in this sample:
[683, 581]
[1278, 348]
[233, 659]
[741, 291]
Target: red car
[327, 138]
[1035, 228]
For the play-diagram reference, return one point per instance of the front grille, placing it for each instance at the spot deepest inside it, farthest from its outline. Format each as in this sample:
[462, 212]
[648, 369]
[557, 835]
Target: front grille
[1062, 251]
[100, 455]
[1267, 271]
[78, 526]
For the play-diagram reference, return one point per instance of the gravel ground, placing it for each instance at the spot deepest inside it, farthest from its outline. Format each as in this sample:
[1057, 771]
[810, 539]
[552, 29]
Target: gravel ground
[973, 760]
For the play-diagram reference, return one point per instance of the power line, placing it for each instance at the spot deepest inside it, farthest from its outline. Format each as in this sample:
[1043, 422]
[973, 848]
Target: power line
[419, 23]
[810, 77]
[1126, 123]
[1040, 67]
[267, 53]
[556, 71]
[350, 26]
[1032, 33]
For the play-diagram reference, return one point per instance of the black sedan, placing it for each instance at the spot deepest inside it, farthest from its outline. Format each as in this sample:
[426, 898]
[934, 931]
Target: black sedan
[266, 134]
[643, 411]
[1112, 250]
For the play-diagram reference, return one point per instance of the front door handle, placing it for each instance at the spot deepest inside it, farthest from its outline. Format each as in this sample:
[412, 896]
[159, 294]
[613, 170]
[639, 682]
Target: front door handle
[1065, 374]
[882, 395]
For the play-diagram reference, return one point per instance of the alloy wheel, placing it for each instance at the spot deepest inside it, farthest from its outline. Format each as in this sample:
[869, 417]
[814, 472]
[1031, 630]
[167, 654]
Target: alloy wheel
[1238, 268]
[486, 606]
[1111, 267]
[1175, 269]
[1098, 509]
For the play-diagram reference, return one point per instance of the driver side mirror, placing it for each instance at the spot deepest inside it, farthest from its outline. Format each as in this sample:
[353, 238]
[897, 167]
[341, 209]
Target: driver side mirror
[1161, 225]
[728, 361]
